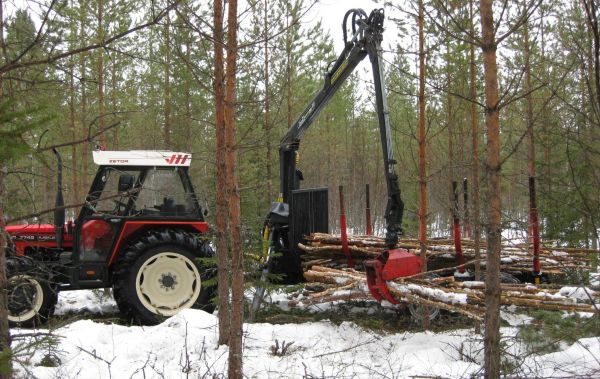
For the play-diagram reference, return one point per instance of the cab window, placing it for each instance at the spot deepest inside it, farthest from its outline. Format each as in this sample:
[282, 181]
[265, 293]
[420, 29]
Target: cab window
[163, 192]
[110, 200]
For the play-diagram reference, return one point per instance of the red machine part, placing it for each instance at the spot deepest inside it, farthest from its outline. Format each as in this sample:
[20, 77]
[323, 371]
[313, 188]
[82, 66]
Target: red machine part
[93, 230]
[460, 258]
[390, 265]
[38, 236]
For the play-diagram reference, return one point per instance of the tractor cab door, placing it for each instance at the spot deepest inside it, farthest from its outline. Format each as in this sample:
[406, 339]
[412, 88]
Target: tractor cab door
[109, 202]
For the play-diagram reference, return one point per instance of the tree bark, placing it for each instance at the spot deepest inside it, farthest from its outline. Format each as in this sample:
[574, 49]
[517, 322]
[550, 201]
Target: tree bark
[422, 155]
[233, 202]
[493, 168]
[101, 103]
[188, 99]
[113, 100]
[475, 213]
[5, 339]
[534, 230]
[267, 106]
[85, 158]
[451, 159]
[221, 213]
[288, 67]
[592, 19]
[73, 127]
[422, 144]
[167, 83]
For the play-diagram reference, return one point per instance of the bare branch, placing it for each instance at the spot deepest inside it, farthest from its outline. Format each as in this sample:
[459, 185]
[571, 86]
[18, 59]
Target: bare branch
[53, 58]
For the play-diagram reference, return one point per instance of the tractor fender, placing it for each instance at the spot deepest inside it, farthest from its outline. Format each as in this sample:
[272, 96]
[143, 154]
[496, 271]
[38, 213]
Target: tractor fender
[133, 228]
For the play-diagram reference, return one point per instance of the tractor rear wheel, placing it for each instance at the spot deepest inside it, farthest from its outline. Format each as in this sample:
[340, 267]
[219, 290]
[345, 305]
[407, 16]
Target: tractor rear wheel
[160, 274]
[30, 296]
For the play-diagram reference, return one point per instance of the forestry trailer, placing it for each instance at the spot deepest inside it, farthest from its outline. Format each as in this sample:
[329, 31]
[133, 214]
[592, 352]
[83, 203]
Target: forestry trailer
[299, 212]
[140, 231]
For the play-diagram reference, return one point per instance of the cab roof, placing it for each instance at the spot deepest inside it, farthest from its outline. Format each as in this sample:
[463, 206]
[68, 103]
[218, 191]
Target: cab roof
[142, 158]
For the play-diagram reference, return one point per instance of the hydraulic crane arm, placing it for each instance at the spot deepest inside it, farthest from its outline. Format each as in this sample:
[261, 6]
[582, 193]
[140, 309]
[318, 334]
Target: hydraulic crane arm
[365, 40]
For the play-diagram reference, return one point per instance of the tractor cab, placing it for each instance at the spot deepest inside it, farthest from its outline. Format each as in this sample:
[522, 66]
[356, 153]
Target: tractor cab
[142, 184]
[132, 190]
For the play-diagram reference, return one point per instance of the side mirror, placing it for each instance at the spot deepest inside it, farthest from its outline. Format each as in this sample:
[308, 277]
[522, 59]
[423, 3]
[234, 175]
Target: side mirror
[125, 182]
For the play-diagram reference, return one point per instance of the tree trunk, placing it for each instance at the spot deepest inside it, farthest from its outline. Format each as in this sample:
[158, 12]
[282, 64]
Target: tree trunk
[5, 339]
[167, 105]
[113, 100]
[221, 212]
[451, 159]
[475, 213]
[492, 121]
[534, 230]
[267, 110]
[233, 202]
[188, 100]
[422, 144]
[288, 67]
[73, 127]
[422, 155]
[101, 104]
[85, 151]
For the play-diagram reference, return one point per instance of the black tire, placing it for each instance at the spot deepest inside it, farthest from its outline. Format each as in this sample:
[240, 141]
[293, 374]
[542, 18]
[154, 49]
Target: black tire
[31, 296]
[416, 311]
[157, 263]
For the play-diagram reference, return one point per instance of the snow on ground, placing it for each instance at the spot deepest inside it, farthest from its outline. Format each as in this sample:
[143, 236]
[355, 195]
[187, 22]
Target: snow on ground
[186, 346]
[94, 301]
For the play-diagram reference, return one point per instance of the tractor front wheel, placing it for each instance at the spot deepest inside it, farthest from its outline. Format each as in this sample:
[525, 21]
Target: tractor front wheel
[31, 300]
[160, 275]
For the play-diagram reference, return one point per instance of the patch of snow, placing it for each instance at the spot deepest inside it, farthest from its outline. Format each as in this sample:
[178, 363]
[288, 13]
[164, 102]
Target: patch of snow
[579, 360]
[578, 314]
[473, 283]
[93, 301]
[578, 293]
[513, 318]
[185, 345]
[448, 297]
[466, 274]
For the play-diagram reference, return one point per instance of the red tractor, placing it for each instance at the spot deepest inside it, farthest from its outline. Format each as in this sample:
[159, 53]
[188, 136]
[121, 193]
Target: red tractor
[141, 232]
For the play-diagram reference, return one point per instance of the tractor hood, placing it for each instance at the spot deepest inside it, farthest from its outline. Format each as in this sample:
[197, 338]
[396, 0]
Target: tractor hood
[37, 236]
[32, 230]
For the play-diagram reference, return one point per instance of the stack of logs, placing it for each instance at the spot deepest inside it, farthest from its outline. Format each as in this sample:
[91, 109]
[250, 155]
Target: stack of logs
[323, 257]
[446, 293]
[326, 249]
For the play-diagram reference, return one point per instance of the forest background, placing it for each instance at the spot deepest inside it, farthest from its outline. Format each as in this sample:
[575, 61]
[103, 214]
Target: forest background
[152, 90]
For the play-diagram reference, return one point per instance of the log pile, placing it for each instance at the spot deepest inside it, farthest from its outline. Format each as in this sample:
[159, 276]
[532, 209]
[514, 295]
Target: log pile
[326, 249]
[446, 293]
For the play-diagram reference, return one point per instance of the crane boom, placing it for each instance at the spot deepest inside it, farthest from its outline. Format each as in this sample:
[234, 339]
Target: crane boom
[292, 215]
[367, 35]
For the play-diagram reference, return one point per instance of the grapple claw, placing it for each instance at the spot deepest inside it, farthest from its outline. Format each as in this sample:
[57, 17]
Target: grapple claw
[390, 265]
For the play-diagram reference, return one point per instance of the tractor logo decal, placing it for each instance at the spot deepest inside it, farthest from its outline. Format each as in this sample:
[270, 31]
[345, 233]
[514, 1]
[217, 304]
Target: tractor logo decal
[177, 159]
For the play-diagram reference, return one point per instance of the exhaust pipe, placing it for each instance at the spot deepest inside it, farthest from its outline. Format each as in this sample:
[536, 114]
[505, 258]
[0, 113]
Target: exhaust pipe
[59, 205]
